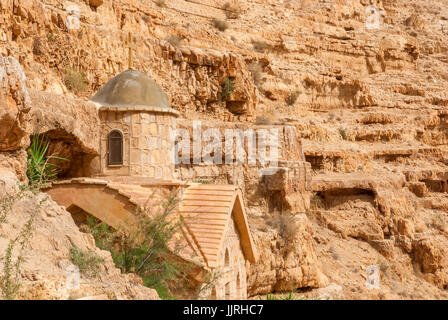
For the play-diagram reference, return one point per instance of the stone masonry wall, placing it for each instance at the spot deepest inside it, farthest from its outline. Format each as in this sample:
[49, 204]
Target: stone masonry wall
[232, 282]
[152, 145]
[147, 143]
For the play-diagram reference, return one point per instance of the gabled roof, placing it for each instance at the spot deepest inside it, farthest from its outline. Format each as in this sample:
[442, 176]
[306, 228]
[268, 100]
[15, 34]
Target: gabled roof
[207, 211]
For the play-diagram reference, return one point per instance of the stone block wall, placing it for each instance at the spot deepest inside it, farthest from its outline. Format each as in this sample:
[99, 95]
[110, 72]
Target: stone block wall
[147, 143]
[152, 145]
[232, 280]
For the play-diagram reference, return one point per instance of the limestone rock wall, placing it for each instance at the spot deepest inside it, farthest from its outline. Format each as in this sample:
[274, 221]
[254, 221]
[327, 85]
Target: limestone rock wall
[368, 106]
[43, 273]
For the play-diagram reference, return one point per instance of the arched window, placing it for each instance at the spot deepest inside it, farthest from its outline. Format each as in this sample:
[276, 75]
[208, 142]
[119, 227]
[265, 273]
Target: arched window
[115, 148]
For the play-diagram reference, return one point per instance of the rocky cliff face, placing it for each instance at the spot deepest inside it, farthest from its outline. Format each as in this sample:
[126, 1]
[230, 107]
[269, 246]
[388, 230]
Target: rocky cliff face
[369, 106]
[50, 233]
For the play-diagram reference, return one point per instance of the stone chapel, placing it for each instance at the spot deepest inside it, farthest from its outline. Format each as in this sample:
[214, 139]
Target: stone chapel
[136, 169]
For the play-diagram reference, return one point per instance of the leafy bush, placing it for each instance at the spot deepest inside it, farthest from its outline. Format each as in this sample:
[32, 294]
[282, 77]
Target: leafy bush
[148, 248]
[40, 170]
[88, 262]
[75, 80]
[51, 37]
[221, 25]
[228, 87]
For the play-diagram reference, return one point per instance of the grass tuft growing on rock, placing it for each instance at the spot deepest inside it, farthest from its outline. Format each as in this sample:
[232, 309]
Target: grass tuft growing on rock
[219, 24]
[75, 80]
[88, 262]
[41, 169]
[232, 10]
[292, 98]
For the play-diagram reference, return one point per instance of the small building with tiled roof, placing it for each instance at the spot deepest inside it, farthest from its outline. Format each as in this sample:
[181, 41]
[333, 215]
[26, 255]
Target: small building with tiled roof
[136, 169]
[215, 217]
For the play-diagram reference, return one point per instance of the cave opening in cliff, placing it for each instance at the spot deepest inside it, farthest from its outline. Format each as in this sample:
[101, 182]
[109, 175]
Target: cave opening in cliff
[337, 197]
[70, 157]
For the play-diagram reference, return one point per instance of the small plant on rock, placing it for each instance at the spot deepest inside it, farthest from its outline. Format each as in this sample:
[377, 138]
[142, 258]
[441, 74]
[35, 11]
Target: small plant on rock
[41, 168]
[88, 262]
[232, 10]
[221, 25]
[292, 98]
[149, 248]
[343, 133]
[228, 87]
[75, 80]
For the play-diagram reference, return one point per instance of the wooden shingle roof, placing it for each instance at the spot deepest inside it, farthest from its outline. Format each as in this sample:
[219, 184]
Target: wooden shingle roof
[207, 211]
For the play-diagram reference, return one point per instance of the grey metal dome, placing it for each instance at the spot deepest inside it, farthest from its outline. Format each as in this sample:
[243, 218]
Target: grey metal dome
[131, 89]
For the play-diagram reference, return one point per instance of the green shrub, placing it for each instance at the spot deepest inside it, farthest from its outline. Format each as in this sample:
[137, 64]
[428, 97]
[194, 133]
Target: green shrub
[51, 37]
[40, 170]
[88, 262]
[221, 25]
[143, 248]
[228, 87]
[75, 80]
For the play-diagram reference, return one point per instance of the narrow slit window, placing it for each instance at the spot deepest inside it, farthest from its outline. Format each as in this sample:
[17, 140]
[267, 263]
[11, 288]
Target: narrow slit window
[115, 148]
